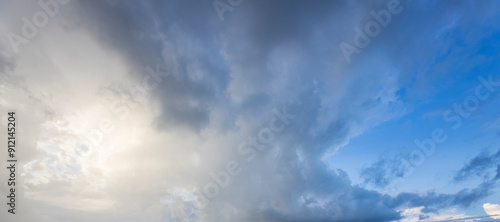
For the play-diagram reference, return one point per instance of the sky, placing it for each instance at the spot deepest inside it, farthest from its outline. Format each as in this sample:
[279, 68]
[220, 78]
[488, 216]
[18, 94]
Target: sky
[251, 111]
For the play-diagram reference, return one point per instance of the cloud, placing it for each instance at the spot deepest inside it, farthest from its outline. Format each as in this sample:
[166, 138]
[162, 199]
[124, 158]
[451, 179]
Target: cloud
[263, 75]
[453, 214]
[492, 209]
[433, 202]
[385, 171]
[224, 81]
[479, 166]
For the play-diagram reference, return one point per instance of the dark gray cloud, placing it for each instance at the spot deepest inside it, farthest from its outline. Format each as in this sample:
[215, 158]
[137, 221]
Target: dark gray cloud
[204, 54]
[148, 34]
[381, 173]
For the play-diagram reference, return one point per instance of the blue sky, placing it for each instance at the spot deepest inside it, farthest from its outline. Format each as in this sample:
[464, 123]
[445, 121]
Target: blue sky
[238, 110]
[446, 83]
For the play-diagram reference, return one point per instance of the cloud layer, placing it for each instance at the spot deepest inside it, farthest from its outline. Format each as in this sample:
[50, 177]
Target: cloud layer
[131, 107]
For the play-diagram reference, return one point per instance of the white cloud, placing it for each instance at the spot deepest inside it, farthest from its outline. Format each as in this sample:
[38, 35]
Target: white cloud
[413, 215]
[492, 209]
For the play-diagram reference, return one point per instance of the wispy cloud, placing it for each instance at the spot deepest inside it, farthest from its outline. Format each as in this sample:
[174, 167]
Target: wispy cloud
[479, 166]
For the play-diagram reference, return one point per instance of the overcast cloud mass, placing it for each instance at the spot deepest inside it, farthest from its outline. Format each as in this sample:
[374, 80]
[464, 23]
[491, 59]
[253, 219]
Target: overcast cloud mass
[252, 110]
